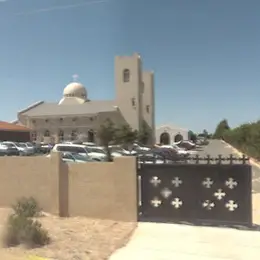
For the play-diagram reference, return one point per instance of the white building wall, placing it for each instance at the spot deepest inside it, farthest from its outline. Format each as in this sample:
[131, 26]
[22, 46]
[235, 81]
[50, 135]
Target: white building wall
[172, 131]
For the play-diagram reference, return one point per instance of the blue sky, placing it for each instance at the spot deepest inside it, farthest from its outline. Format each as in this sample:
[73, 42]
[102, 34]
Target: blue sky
[205, 54]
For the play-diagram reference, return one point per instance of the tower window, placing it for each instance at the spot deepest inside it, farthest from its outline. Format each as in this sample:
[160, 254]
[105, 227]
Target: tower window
[47, 133]
[73, 135]
[147, 109]
[34, 136]
[133, 102]
[126, 75]
[142, 87]
[61, 135]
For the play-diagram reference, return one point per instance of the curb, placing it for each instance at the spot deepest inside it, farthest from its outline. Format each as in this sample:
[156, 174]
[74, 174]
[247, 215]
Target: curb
[251, 161]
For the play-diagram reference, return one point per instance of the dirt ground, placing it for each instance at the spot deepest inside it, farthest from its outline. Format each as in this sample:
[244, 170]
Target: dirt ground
[73, 239]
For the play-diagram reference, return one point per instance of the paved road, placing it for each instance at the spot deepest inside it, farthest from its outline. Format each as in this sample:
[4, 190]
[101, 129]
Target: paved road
[216, 147]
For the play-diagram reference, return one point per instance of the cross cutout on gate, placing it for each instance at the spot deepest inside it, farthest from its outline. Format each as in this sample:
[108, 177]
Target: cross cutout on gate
[209, 205]
[155, 181]
[166, 193]
[219, 194]
[231, 205]
[176, 203]
[207, 183]
[231, 183]
[156, 202]
[176, 182]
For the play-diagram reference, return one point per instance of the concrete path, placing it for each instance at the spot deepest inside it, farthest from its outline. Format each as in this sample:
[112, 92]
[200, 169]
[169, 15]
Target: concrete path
[182, 242]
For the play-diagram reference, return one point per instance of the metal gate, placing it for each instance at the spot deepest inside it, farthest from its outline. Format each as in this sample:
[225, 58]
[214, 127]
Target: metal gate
[213, 193]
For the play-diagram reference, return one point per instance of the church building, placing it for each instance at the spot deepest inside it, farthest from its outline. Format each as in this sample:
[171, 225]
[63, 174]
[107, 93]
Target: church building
[76, 115]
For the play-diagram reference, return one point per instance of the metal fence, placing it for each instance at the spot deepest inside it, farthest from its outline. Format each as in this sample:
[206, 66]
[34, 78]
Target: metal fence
[198, 192]
[197, 159]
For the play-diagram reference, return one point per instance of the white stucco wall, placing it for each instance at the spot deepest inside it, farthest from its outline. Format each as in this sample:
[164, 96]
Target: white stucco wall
[172, 131]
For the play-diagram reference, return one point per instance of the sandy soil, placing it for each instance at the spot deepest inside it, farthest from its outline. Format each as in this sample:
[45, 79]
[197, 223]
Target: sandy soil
[73, 238]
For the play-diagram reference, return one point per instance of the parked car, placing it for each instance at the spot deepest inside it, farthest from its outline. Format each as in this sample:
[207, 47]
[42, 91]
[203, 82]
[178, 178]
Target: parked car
[80, 149]
[30, 146]
[27, 149]
[165, 154]
[89, 144]
[8, 149]
[187, 145]
[151, 158]
[117, 151]
[45, 148]
[178, 149]
[73, 158]
[140, 147]
[23, 150]
[202, 141]
[97, 153]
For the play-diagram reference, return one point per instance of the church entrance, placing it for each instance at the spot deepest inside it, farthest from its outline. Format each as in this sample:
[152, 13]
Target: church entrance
[91, 136]
[178, 138]
[165, 138]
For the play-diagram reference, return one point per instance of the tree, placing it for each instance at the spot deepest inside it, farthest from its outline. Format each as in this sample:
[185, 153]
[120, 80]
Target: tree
[246, 138]
[144, 135]
[106, 134]
[205, 133]
[221, 128]
[126, 135]
[192, 136]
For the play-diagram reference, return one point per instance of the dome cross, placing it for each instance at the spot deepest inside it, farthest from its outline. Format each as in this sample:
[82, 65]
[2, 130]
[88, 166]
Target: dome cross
[75, 77]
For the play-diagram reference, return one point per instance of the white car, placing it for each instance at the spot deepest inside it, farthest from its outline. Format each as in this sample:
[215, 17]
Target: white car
[73, 158]
[80, 149]
[89, 144]
[117, 151]
[96, 152]
[29, 147]
[176, 148]
[151, 158]
[141, 148]
[22, 148]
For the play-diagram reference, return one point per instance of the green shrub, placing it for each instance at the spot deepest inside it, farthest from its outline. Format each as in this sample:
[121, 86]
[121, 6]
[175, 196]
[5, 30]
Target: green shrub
[27, 207]
[245, 138]
[26, 231]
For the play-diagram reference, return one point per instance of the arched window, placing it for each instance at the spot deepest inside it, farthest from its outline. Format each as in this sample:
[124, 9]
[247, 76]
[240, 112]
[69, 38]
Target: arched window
[165, 138]
[91, 136]
[73, 135]
[61, 135]
[47, 133]
[34, 136]
[126, 75]
[178, 138]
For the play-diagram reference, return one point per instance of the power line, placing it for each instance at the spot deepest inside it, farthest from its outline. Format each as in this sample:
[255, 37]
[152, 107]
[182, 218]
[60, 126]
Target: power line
[62, 7]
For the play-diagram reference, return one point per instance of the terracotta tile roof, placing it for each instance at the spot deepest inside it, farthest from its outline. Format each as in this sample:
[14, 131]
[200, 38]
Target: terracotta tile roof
[12, 127]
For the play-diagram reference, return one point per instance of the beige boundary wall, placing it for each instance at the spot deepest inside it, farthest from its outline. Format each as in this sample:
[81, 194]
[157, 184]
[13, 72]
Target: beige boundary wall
[105, 190]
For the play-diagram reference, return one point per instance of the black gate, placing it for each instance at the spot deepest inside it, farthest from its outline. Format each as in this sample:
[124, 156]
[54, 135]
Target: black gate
[196, 192]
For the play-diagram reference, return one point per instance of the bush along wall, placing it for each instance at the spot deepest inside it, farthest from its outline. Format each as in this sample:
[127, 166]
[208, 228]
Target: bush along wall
[245, 138]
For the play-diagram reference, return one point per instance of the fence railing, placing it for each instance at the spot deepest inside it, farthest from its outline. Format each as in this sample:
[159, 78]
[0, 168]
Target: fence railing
[197, 159]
